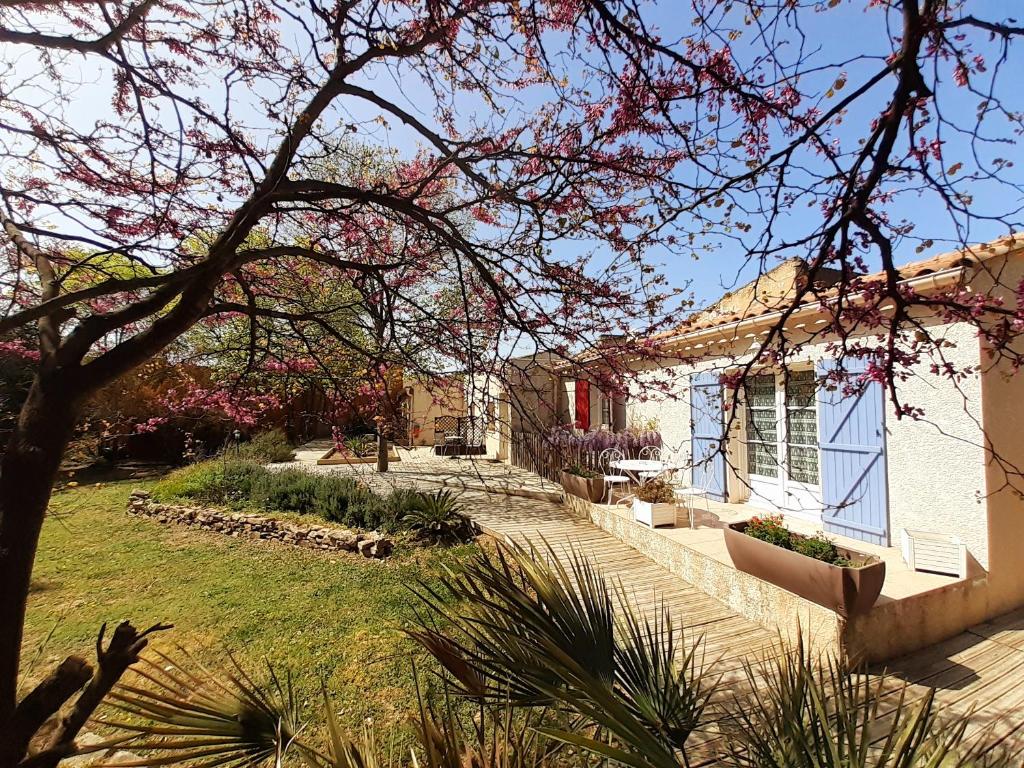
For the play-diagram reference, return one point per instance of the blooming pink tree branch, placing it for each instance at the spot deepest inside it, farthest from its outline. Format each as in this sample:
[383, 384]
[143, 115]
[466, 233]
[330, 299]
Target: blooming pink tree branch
[554, 144]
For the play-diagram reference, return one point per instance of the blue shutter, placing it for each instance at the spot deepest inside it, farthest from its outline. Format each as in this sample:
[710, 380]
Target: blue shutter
[706, 428]
[854, 482]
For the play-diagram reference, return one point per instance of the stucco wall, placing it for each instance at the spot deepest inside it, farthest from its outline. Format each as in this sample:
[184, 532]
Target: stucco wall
[427, 404]
[1003, 400]
[662, 396]
[935, 465]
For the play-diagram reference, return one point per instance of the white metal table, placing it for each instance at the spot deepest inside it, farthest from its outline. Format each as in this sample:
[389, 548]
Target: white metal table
[633, 467]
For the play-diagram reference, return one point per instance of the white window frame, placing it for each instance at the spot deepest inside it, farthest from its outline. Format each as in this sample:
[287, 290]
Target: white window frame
[793, 497]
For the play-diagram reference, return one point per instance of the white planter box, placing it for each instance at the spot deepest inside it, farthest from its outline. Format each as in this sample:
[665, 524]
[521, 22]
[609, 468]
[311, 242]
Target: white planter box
[934, 552]
[653, 515]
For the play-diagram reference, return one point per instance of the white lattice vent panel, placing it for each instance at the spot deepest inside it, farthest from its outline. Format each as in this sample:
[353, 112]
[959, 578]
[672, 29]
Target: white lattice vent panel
[934, 552]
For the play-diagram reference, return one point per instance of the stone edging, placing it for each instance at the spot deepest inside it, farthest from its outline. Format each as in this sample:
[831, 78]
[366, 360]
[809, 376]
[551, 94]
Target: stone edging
[371, 545]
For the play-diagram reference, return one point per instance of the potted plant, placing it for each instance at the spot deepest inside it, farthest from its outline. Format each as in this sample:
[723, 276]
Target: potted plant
[655, 504]
[585, 483]
[813, 567]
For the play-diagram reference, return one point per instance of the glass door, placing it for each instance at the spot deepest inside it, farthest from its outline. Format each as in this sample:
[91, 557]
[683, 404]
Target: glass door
[782, 443]
[801, 484]
[763, 440]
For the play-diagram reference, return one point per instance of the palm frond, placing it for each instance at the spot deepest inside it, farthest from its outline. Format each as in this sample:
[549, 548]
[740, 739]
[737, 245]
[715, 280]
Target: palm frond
[507, 614]
[200, 718]
[342, 750]
[807, 711]
[660, 678]
[545, 630]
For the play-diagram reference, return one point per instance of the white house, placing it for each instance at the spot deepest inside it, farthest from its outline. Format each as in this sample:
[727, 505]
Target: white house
[848, 464]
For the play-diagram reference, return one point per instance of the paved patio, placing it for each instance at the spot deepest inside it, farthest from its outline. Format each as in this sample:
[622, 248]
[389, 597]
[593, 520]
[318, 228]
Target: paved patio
[419, 466]
[978, 675]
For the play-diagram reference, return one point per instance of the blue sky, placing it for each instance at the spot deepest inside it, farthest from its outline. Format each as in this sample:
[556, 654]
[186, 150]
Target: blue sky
[847, 32]
[844, 32]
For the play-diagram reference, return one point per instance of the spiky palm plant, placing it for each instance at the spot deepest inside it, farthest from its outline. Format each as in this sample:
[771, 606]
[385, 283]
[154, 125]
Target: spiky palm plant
[519, 621]
[439, 518]
[560, 671]
[182, 713]
[804, 711]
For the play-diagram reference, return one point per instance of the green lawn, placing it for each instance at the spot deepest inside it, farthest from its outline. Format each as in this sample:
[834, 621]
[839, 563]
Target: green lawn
[328, 617]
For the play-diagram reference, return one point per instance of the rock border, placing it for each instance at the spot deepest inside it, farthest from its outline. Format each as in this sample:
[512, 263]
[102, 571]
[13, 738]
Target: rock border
[236, 524]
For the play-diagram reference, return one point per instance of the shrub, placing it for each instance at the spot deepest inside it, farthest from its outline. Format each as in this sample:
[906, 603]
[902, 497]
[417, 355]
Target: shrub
[290, 490]
[268, 447]
[770, 528]
[346, 502]
[212, 481]
[338, 499]
[438, 517]
[368, 510]
[656, 492]
[820, 547]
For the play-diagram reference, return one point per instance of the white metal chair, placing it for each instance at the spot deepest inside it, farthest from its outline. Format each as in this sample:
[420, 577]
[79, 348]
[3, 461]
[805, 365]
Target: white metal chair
[698, 488]
[605, 458]
[650, 453]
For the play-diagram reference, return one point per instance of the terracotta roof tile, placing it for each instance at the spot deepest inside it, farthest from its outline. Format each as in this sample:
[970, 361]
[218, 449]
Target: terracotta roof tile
[967, 257]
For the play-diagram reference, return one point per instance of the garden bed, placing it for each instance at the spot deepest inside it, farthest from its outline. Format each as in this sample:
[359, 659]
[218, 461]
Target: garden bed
[333, 457]
[254, 526]
[251, 488]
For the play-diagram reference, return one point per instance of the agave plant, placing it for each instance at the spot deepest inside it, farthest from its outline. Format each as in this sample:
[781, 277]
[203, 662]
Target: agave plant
[439, 518]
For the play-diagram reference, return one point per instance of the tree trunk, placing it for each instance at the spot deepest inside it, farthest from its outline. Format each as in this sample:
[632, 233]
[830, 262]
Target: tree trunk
[27, 472]
[382, 451]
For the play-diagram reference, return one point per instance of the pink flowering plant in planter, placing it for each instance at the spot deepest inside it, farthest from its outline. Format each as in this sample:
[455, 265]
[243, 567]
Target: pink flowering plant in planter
[770, 528]
[812, 567]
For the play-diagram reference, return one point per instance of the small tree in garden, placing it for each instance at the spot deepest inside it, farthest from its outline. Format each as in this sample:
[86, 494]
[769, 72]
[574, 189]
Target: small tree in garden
[164, 166]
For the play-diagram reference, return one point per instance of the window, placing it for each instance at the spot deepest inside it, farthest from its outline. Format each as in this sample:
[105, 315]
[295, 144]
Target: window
[762, 426]
[802, 427]
[606, 411]
[796, 440]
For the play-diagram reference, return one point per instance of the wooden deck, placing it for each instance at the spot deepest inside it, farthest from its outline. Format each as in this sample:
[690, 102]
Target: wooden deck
[727, 637]
[978, 675]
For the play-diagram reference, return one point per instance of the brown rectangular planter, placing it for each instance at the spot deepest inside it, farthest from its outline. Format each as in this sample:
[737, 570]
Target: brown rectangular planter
[847, 591]
[590, 488]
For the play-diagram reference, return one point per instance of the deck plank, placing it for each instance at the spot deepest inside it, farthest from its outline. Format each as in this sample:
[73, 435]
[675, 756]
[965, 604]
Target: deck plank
[977, 675]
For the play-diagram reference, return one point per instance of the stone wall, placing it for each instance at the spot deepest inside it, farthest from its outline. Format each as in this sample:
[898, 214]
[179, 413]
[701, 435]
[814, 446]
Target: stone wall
[260, 527]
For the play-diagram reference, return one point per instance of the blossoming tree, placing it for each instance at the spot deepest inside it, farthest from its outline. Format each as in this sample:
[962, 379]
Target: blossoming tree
[577, 135]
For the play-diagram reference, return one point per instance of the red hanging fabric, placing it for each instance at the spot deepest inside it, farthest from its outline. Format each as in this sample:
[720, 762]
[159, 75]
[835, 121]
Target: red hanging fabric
[583, 405]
